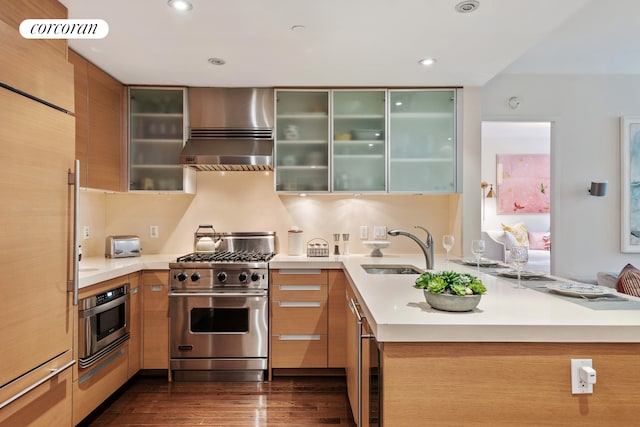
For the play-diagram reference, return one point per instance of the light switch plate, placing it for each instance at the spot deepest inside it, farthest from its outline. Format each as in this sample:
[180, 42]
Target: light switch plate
[379, 232]
[364, 232]
[154, 231]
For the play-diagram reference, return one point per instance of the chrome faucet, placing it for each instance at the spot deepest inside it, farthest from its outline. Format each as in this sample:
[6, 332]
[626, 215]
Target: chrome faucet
[427, 247]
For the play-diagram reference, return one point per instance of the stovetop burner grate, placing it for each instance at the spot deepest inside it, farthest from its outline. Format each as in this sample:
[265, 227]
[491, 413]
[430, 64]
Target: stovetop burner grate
[227, 256]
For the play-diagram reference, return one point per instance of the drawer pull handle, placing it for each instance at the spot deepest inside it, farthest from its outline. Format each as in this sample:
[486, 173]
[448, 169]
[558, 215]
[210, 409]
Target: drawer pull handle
[294, 304]
[300, 287]
[299, 337]
[289, 271]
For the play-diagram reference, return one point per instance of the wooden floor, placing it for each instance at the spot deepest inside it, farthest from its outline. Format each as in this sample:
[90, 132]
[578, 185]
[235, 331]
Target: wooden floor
[285, 401]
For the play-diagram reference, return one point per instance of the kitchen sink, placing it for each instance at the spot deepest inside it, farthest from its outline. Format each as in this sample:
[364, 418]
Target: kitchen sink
[391, 269]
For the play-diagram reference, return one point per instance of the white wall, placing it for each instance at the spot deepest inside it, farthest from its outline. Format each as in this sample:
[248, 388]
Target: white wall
[512, 138]
[586, 111]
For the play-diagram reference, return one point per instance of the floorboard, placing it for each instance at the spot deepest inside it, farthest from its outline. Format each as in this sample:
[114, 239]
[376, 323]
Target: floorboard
[285, 401]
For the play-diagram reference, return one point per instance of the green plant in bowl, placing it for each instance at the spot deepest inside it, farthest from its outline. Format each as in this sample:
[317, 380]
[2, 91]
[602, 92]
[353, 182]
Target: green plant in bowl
[450, 290]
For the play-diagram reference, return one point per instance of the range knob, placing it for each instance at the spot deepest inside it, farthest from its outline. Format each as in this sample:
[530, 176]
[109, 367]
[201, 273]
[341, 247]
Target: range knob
[242, 277]
[195, 277]
[182, 277]
[255, 277]
[222, 276]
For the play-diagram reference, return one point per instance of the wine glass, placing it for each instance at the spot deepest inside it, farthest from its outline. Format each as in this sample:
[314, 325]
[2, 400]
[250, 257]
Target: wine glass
[448, 241]
[519, 256]
[477, 249]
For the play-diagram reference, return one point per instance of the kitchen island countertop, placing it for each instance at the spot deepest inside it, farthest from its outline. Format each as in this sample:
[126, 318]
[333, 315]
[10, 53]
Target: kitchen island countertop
[398, 312]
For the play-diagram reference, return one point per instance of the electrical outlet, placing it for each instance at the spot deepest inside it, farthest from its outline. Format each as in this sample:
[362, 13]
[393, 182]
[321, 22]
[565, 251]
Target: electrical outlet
[154, 231]
[579, 386]
[364, 231]
[86, 232]
[379, 232]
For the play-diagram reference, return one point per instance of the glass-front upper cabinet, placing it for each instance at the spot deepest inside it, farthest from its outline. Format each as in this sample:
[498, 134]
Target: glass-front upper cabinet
[422, 141]
[156, 138]
[359, 159]
[302, 140]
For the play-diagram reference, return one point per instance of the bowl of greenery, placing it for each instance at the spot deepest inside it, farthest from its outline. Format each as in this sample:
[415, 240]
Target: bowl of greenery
[450, 290]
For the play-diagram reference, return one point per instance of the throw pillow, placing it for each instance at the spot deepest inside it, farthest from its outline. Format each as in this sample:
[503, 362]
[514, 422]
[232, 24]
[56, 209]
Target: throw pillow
[629, 281]
[539, 240]
[519, 232]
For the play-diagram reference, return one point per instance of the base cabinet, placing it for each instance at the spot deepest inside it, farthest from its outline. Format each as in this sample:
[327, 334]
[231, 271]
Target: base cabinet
[46, 405]
[155, 319]
[135, 316]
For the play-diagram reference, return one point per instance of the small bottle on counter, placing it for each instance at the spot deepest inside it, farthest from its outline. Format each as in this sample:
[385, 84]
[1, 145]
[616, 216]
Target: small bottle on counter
[345, 238]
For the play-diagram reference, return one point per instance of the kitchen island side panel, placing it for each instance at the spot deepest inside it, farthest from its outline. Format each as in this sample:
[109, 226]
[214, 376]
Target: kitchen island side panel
[507, 384]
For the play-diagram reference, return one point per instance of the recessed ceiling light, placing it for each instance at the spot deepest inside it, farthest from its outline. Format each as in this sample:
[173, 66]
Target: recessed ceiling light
[180, 5]
[216, 61]
[298, 28]
[467, 6]
[427, 61]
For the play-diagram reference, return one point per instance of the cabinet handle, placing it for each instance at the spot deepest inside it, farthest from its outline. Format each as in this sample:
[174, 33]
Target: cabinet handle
[299, 337]
[52, 374]
[73, 283]
[156, 288]
[134, 290]
[300, 287]
[299, 271]
[294, 304]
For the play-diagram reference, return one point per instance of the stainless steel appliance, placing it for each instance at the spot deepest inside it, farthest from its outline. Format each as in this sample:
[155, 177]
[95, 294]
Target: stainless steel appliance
[219, 310]
[103, 325]
[230, 129]
[122, 246]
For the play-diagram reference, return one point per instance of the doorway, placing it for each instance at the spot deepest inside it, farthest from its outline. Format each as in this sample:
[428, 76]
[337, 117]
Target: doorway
[501, 138]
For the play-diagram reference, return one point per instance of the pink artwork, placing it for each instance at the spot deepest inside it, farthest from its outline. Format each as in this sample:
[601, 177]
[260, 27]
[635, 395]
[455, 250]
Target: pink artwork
[523, 183]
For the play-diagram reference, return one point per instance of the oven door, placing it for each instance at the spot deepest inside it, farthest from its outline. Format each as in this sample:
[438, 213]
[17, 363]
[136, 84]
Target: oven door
[219, 324]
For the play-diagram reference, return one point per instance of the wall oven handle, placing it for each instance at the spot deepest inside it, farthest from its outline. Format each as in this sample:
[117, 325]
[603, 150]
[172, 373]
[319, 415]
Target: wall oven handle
[73, 178]
[219, 294]
[41, 381]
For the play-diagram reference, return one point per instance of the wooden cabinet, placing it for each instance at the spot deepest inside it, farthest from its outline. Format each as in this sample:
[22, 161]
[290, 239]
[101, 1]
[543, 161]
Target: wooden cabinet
[94, 384]
[155, 319]
[299, 318]
[337, 320]
[308, 318]
[99, 100]
[135, 323]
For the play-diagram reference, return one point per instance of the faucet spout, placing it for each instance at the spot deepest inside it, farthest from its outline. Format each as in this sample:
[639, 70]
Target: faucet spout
[426, 247]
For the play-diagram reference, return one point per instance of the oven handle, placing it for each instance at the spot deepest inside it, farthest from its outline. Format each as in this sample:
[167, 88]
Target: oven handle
[104, 307]
[262, 293]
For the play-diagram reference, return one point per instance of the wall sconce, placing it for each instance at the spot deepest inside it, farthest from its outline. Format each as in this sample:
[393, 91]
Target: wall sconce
[491, 194]
[598, 188]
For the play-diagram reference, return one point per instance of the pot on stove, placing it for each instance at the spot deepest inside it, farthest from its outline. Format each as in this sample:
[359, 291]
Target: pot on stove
[206, 241]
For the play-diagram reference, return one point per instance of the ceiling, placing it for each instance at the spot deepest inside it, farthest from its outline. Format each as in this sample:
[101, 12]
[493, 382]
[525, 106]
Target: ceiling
[357, 42]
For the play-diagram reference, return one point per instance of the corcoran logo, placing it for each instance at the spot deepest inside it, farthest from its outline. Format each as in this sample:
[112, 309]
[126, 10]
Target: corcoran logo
[64, 29]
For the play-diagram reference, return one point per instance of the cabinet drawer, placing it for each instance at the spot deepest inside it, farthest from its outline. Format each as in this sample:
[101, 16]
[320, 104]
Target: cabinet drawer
[298, 277]
[299, 351]
[96, 383]
[299, 292]
[298, 317]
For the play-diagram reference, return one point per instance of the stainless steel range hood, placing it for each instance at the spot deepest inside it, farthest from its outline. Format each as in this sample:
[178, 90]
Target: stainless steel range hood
[230, 129]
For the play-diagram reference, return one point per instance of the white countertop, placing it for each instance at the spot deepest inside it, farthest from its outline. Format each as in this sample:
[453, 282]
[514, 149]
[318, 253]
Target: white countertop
[398, 312]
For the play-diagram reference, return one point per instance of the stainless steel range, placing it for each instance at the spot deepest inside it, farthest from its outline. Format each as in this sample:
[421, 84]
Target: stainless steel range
[219, 310]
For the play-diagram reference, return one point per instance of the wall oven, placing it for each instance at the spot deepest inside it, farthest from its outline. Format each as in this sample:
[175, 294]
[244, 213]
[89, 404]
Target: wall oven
[103, 324]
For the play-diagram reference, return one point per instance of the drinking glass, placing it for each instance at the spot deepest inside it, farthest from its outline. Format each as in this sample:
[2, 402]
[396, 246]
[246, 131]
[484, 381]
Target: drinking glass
[477, 249]
[448, 241]
[519, 256]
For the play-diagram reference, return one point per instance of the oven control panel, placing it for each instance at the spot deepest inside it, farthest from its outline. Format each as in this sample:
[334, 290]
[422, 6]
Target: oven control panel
[195, 278]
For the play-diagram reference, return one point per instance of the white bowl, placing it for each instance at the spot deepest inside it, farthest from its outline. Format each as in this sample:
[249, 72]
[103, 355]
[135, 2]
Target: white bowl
[376, 245]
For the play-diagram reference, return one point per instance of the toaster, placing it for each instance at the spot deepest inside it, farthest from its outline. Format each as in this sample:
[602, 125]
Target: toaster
[122, 246]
